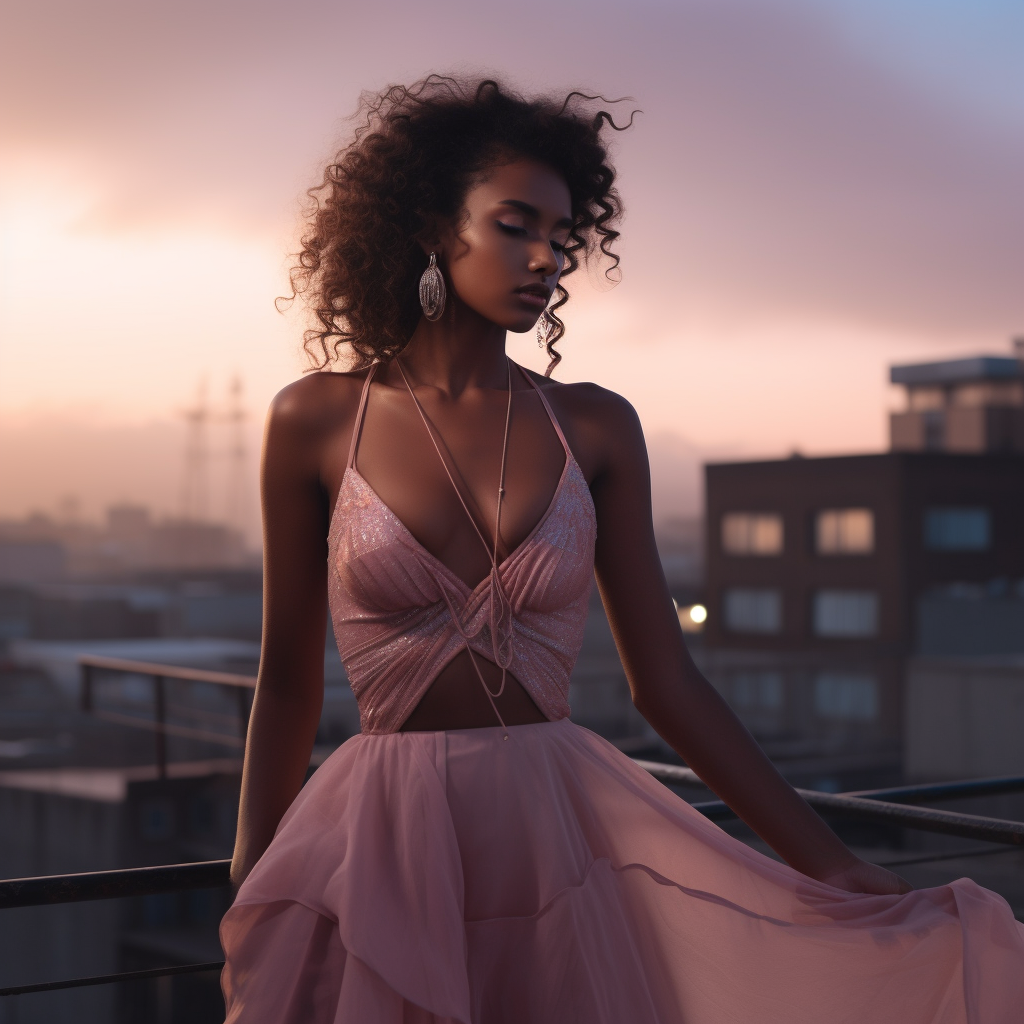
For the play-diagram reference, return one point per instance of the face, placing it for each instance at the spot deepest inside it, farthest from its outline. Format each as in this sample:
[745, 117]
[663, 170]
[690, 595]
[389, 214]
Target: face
[502, 259]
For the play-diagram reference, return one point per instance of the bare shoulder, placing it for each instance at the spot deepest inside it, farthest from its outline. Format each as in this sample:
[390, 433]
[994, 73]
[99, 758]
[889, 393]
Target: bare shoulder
[309, 421]
[316, 404]
[601, 426]
[586, 401]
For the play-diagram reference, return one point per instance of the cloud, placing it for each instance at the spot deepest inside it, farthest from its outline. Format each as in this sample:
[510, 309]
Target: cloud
[777, 169]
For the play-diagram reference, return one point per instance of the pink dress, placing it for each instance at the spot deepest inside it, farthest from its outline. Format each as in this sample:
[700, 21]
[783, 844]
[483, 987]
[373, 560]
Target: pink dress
[534, 874]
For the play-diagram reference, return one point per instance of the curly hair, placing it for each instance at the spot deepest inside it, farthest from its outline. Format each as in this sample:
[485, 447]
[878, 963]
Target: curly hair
[412, 160]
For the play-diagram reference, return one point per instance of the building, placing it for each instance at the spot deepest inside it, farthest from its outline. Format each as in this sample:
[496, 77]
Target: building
[824, 575]
[67, 820]
[39, 549]
[836, 553]
[961, 405]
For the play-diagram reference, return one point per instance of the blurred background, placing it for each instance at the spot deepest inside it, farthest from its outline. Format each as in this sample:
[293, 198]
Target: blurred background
[823, 259]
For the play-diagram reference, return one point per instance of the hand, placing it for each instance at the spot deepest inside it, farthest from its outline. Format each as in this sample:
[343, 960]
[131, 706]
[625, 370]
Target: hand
[861, 877]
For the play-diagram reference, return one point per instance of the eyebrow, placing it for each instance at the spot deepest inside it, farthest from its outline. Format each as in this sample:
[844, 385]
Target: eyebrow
[532, 211]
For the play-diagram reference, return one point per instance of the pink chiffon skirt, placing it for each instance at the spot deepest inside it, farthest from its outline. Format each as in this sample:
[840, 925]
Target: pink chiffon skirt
[546, 879]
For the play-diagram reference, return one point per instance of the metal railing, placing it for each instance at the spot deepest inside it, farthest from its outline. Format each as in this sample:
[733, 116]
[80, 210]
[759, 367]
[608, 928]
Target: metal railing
[90, 664]
[882, 806]
[879, 805]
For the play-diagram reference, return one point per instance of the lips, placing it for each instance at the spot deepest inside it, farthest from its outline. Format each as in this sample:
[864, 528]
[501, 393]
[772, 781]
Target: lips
[535, 294]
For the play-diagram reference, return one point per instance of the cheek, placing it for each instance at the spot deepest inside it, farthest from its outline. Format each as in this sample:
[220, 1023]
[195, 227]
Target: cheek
[483, 269]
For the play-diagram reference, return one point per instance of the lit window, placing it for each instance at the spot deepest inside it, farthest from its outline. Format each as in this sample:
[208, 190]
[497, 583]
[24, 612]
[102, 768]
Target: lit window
[753, 611]
[752, 533]
[926, 399]
[851, 696]
[989, 393]
[757, 690]
[845, 531]
[845, 613]
[957, 529]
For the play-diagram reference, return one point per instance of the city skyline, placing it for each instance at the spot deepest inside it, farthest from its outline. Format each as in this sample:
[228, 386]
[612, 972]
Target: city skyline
[814, 191]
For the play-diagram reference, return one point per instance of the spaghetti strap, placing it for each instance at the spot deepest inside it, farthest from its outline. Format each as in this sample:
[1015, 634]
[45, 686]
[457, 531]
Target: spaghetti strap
[547, 406]
[444, 462]
[357, 427]
[500, 611]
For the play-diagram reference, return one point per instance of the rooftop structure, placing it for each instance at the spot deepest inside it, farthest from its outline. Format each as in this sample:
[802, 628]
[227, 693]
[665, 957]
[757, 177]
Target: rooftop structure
[969, 405]
[826, 576]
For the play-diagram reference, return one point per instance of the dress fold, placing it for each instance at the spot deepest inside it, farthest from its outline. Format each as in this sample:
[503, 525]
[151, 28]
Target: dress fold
[547, 879]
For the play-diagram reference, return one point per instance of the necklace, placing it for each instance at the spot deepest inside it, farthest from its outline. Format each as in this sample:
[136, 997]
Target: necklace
[500, 606]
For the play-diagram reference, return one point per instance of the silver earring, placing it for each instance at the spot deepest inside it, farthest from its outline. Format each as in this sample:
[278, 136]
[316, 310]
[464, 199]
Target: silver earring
[432, 291]
[546, 327]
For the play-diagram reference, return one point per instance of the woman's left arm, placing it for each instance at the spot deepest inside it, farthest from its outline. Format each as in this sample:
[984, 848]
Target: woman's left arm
[669, 690]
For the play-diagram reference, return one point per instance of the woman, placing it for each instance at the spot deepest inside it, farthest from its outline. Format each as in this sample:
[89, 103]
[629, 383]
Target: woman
[473, 856]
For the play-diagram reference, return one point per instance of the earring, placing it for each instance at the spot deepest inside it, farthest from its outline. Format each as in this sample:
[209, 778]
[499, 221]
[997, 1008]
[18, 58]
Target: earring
[546, 327]
[432, 291]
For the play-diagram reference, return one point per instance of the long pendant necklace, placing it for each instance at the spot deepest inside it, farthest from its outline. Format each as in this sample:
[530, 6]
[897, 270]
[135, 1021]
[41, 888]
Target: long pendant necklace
[500, 606]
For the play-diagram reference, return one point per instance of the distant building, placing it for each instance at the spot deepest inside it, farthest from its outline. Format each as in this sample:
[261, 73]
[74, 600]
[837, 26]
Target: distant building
[824, 575]
[39, 549]
[836, 553]
[32, 561]
[969, 405]
[94, 819]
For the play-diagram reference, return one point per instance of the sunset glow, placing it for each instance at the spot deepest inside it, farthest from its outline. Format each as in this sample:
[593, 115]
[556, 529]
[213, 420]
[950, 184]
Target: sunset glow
[806, 203]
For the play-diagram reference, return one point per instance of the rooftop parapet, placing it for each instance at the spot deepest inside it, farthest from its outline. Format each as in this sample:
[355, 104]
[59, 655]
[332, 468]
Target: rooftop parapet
[958, 371]
[969, 405]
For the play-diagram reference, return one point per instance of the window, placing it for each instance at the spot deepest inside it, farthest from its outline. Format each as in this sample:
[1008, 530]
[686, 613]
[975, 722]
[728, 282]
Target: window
[752, 533]
[957, 529]
[850, 696]
[753, 611]
[845, 531]
[762, 691]
[845, 613]
[989, 393]
[926, 399]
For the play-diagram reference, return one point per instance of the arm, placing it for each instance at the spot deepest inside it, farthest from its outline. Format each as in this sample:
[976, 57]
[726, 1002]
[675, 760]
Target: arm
[669, 690]
[289, 690]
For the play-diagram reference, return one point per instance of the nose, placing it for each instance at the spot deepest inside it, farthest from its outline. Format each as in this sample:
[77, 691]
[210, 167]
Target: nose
[544, 260]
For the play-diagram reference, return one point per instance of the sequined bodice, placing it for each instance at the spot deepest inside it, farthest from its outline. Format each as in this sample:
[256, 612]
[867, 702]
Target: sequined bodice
[400, 615]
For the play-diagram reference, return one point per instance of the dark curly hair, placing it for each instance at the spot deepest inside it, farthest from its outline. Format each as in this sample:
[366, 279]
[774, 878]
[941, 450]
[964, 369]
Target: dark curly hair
[412, 160]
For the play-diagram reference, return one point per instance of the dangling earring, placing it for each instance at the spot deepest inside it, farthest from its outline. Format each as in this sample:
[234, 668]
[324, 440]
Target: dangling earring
[432, 291]
[546, 327]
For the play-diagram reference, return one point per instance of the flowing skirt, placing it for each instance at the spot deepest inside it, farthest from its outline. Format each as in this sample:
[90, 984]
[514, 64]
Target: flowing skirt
[546, 879]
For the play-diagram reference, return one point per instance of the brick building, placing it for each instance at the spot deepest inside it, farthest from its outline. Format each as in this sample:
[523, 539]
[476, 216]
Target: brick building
[824, 575]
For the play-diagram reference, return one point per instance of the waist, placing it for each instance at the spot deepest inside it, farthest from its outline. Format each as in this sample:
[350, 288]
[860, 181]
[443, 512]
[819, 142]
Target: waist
[392, 674]
[456, 700]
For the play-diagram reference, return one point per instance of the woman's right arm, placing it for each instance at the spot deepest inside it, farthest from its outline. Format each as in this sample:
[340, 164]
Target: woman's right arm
[289, 691]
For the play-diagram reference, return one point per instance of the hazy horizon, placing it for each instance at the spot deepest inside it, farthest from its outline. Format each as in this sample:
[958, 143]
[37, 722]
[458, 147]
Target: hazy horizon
[815, 189]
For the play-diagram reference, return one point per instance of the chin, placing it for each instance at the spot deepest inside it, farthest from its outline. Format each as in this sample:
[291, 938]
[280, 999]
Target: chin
[522, 326]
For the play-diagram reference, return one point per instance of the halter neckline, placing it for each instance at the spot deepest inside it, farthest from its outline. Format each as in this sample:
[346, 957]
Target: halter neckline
[499, 605]
[434, 433]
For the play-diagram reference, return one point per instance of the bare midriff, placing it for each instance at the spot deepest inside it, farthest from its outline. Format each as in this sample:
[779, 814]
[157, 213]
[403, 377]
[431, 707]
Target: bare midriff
[456, 699]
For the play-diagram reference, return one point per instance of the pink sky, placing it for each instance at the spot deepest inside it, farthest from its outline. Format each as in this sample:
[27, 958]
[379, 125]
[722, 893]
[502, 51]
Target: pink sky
[806, 203]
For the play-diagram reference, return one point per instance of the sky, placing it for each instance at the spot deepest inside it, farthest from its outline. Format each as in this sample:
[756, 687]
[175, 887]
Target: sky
[814, 189]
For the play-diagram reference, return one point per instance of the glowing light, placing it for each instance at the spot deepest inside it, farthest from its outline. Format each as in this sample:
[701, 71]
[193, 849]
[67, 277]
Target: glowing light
[691, 617]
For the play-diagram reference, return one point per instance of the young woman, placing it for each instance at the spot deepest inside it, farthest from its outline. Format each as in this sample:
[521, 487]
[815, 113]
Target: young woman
[473, 856]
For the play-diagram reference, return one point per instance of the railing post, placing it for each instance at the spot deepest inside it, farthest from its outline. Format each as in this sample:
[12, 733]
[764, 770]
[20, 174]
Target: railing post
[85, 696]
[160, 708]
[243, 712]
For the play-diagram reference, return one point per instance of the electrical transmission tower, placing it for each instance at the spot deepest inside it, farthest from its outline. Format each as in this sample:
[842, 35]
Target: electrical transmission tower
[195, 495]
[235, 504]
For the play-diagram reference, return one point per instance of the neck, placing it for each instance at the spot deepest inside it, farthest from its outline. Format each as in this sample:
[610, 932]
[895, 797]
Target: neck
[462, 350]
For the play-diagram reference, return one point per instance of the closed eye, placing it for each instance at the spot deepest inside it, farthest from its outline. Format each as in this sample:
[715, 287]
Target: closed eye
[512, 229]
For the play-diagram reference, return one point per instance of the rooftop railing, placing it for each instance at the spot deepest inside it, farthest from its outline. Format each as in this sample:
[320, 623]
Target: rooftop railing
[91, 665]
[895, 806]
